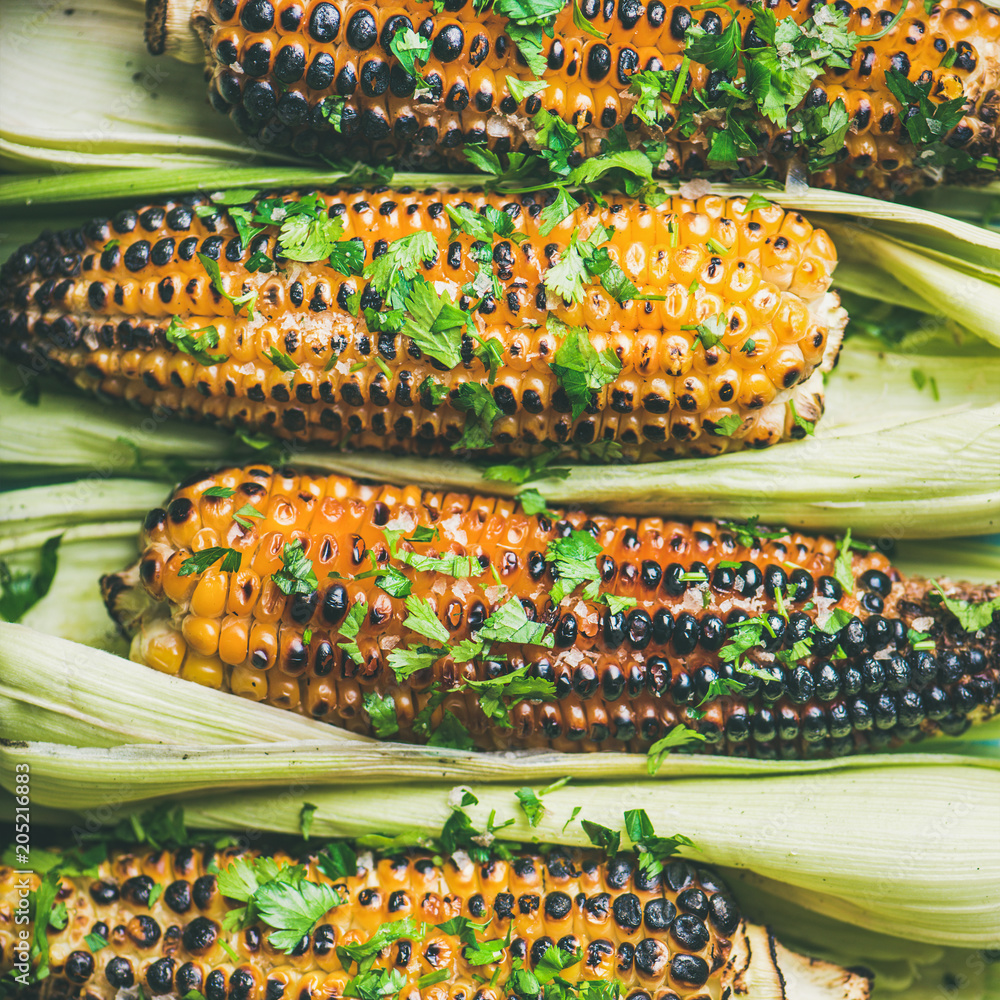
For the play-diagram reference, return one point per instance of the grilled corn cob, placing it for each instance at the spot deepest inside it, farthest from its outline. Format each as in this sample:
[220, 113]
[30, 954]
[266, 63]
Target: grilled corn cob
[641, 640]
[161, 915]
[730, 356]
[325, 78]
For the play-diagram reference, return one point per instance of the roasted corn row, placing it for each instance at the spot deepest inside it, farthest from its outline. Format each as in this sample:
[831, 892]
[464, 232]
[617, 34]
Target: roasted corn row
[677, 934]
[640, 642]
[102, 305]
[324, 79]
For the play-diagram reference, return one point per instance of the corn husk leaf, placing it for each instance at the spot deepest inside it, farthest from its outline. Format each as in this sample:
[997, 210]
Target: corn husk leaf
[102, 100]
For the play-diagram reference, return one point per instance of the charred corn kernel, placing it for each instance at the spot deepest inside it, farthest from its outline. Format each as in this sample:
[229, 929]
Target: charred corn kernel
[893, 666]
[64, 299]
[327, 83]
[161, 915]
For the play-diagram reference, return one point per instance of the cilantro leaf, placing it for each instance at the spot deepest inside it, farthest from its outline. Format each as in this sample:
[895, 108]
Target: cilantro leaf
[381, 711]
[402, 259]
[726, 426]
[348, 257]
[21, 590]
[581, 369]
[198, 562]
[842, 566]
[237, 301]
[306, 814]
[521, 89]
[510, 623]
[679, 736]
[194, 342]
[496, 695]
[409, 48]
[971, 616]
[481, 410]
[280, 360]
[386, 934]
[337, 861]
[350, 627]
[532, 502]
[310, 235]
[451, 733]
[405, 662]
[296, 575]
[374, 984]
[246, 511]
[602, 836]
[435, 324]
[653, 850]
[561, 208]
[575, 559]
[423, 620]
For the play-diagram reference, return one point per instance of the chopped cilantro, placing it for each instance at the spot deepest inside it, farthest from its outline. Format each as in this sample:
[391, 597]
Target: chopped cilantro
[348, 257]
[510, 623]
[219, 492]
[280, 360]
[451, 733]
[423, 620]
[435, 324]
[198, 562]
[481, 410]
[402, 259]
[581, 369]
[653, 850]
[726, 426]
[496, 695]
[279, 896]
[531, 801]
[525, 470]
[247, 510]
[602, 836]
[809, 426]
[575, 560]
[194, 342]
[842, 571]
[679, 736]
[296, 575]
[337, 861]
[381, 711]
[971, 616]
[350, 627]
[306, 815]
[406, 662]
[521, 89]
[409, 48]
[532, 502]
[237, 301]
[21, 590]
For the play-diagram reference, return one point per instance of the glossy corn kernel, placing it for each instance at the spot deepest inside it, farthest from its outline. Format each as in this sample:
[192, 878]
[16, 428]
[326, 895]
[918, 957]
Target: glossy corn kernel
[161, 913]
[96, 304]
[894, 666]
[321, 80]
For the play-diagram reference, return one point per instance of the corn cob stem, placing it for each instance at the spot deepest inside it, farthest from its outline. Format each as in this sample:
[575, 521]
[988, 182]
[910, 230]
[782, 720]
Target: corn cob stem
[162, 915]
[347, 646]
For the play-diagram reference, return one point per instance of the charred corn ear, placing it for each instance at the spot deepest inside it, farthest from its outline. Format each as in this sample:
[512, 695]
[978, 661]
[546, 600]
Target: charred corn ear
[327, 79]
[159, 917]
[389, 610]
[719, 346]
